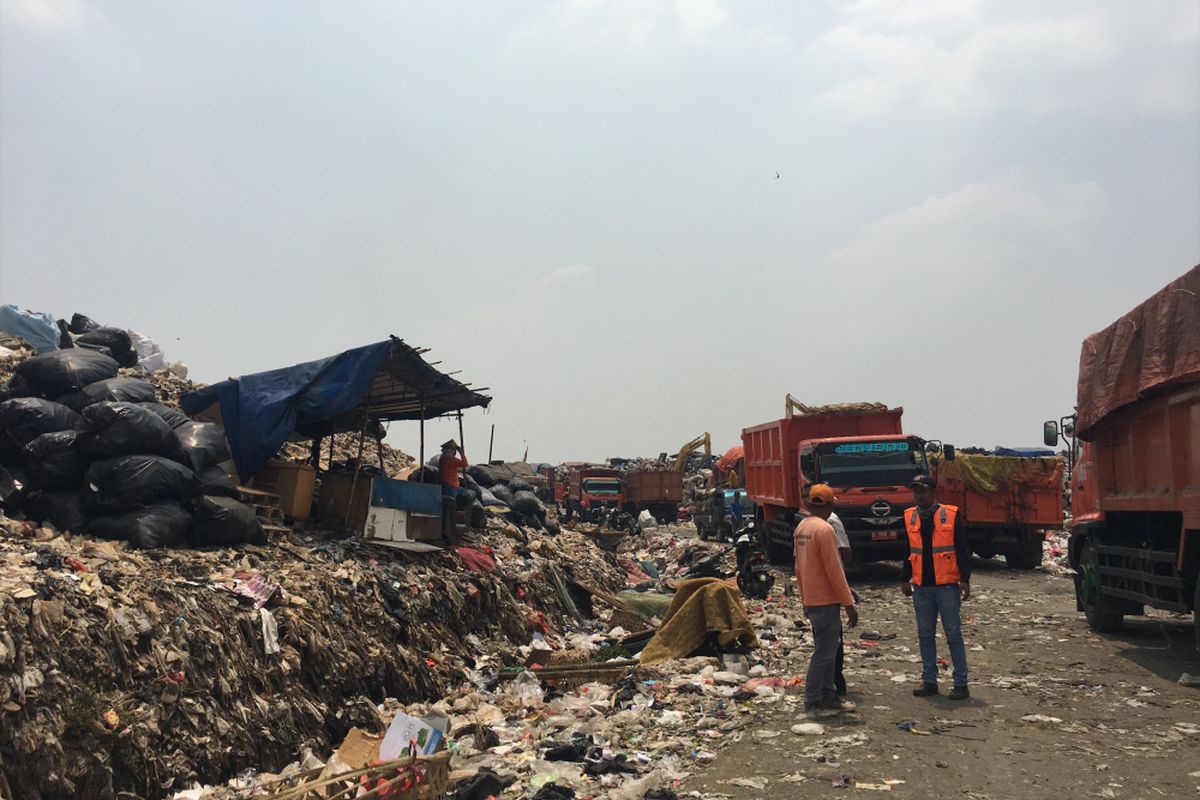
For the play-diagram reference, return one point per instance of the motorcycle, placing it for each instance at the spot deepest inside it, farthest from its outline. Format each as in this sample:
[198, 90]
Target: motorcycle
[754, 578]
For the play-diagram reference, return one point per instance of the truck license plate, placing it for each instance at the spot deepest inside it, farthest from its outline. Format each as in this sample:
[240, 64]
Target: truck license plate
[879, 536]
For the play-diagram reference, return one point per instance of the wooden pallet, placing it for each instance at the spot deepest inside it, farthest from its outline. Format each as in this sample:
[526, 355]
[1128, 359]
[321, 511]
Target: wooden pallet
[266, 507]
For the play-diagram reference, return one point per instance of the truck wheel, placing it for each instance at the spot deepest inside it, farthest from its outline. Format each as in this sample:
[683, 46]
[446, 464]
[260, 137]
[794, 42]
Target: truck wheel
[1099, 610]
[1030, 555]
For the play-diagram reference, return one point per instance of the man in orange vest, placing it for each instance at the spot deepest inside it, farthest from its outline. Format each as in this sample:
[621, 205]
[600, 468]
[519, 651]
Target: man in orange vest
[823, 593]
[937, 575]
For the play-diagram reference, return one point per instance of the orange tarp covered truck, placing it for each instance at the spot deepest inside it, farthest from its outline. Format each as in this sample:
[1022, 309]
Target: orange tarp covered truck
[1135, 489]
[1007, 502]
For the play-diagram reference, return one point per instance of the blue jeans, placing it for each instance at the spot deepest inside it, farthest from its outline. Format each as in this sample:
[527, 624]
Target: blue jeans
[928, 603]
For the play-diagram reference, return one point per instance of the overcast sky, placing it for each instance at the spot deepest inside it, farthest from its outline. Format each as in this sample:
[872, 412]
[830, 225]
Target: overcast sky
[576, 203]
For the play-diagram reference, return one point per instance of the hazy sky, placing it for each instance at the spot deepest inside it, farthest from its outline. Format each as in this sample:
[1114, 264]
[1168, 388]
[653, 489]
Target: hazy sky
[575, 203]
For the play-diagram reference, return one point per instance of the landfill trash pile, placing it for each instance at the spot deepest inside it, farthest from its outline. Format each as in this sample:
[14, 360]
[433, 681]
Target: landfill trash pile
[571, 724]
[396, 464]
[86, 449]
[697, 488]
[646, 465]
[148, 671]
[842, 408]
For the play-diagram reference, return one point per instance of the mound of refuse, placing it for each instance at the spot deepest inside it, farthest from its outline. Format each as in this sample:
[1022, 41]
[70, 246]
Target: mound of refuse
[88, 446]
[148, 671]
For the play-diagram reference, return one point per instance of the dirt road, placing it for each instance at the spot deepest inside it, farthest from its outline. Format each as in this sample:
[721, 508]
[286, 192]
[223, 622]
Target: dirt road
[1113, 721]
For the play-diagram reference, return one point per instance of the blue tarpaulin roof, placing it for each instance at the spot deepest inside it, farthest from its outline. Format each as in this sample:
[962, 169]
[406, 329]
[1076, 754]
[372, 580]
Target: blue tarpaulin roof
[383, 381]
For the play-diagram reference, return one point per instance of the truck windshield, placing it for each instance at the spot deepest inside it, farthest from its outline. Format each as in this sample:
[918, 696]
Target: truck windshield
[602, 486]
[870, 463]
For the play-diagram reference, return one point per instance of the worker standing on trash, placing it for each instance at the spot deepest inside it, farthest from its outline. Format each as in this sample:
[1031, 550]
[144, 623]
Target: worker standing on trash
[824, 592]
[736, 510]
[449, 465]
[937, 575]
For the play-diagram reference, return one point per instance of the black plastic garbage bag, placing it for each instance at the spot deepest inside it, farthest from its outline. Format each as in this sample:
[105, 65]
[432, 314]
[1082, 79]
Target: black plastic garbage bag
[23, 419]
[484, 476]
[172, 416]
[480, 786]
[164, 524]
[15, 486]
[503, 494]
[118, 390]
[488, 499]
[223, 521]
[65, 340]
[64, 371]
[17, 387]
[464, 499]
[64, 508]
[53, 460]
[527, 503]
[425, 474]
[81, 324]
[136, 480]
[119, 429]
[215, 482]
[477, 515]
[202, 445]
[520, 485]
[116, 340]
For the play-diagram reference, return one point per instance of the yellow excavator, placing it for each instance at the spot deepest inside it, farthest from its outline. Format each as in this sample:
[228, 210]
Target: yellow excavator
[704, 440]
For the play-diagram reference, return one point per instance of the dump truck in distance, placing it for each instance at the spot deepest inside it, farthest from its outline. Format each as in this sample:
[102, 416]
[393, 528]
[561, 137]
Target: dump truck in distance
[1007, 502]
[860, 450]
[1135, 444]
[594, 489]
[658, 491]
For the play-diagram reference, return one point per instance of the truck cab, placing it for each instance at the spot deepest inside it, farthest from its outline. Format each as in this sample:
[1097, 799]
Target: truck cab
[869, 476]
[593, 489]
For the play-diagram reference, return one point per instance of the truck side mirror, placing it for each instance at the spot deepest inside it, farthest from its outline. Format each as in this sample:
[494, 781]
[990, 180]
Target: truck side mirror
[948, 452]
[1050, 433]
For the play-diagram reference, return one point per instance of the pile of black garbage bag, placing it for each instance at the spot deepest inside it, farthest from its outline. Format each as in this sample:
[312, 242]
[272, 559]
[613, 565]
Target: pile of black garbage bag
[484, 487]
[93, 453]
[85, 333]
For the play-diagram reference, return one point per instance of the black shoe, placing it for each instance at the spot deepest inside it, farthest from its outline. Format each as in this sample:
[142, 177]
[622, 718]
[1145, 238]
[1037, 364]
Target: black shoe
[925, 690]
[959, 693]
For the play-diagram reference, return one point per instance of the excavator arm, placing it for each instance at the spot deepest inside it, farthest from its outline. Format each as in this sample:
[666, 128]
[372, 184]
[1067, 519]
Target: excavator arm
[704, 440]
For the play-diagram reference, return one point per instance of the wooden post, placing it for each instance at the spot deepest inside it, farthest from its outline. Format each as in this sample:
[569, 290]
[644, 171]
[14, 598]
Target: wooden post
[357, 466]
[421, 466]
[491, 441]
[379, 448]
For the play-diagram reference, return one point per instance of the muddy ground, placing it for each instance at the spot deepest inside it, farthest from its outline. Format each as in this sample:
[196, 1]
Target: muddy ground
[1119, 725]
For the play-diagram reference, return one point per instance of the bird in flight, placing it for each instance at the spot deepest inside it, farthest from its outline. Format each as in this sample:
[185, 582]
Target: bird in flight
[776, 176]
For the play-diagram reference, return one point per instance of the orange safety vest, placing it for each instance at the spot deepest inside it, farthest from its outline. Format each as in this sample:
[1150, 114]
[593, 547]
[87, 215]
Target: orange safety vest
[945, 562]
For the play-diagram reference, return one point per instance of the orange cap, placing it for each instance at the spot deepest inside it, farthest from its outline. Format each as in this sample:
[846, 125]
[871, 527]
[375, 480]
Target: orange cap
[820, 494]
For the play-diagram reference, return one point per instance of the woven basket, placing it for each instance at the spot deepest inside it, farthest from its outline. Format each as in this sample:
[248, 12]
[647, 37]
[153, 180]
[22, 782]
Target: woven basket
[630, 621]
[434, 769]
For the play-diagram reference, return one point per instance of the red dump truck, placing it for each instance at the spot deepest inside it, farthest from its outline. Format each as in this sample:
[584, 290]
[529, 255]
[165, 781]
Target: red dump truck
[864, 456]
[1007, 502]
[592, 489]
[1135, 438]
[658, 491]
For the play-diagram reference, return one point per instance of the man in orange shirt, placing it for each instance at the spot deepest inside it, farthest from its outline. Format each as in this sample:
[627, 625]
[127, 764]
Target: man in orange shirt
[448, 468]
[824, 592]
